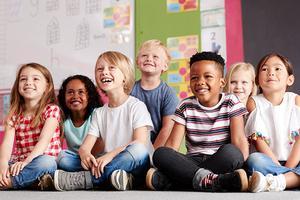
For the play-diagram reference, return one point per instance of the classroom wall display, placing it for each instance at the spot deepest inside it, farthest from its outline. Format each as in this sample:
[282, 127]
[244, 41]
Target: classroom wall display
[177, 24]
[213, 30]
[66, 36]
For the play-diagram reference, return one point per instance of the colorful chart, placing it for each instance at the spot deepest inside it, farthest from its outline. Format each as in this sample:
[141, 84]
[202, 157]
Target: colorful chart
[181, 5]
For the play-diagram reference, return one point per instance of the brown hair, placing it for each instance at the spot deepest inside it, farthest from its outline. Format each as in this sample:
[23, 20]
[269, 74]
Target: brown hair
[262, 62]
[17, 103]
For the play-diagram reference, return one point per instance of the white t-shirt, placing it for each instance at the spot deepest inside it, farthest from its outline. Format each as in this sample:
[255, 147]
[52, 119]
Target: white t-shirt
[116, 125]
[277, 125]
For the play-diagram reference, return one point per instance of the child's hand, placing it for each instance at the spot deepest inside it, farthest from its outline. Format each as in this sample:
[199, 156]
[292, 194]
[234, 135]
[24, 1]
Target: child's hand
[4, 175]
[88, 161]
[102, 162]
[17, 167]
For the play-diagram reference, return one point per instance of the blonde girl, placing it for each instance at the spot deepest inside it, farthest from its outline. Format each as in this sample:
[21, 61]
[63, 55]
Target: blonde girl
[33, 122]
[273, 127]
[240, 80]
[124, 126]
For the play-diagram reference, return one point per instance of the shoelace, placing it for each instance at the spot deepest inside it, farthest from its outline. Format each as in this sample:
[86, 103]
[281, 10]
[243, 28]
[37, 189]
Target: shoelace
[272, 184]
[207, 182]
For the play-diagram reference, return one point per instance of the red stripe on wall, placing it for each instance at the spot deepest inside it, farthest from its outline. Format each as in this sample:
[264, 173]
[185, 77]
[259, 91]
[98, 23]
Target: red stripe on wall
[234, 32]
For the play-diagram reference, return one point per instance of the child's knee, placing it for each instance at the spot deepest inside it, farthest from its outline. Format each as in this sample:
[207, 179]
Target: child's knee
[138, 151]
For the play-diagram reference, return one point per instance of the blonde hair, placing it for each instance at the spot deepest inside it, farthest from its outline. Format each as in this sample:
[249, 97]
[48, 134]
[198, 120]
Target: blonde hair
[17, 102]
[122, 62]
[155, 44]
[246, 67]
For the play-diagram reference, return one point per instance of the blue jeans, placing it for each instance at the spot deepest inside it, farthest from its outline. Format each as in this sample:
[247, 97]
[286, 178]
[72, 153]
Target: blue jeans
[39, 166]
[264, 164]
[134, 159]
[69, 161]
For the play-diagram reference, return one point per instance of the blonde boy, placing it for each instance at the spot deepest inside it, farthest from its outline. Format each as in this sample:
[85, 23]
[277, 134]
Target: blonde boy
[160, 99]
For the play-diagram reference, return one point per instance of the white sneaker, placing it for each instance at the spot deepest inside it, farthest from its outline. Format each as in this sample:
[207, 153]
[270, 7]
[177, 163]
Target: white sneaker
[121, 180]
[260, 183]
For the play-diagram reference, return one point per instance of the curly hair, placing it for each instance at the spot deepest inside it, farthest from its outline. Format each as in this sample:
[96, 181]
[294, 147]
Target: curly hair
[94, 100]
[208, 55]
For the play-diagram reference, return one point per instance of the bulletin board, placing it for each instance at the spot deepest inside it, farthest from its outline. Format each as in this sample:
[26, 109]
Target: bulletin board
[177, 25]
[65, 36]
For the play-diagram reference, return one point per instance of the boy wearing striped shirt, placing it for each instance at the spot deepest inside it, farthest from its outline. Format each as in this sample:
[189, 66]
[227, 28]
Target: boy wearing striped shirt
[213, 126]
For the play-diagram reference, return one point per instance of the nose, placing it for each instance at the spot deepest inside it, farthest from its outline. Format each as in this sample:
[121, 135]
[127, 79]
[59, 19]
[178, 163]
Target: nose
[271, 73]
[149, 58]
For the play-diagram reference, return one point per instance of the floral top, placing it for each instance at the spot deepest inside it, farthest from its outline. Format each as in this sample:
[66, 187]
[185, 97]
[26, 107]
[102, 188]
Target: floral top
[277, 125]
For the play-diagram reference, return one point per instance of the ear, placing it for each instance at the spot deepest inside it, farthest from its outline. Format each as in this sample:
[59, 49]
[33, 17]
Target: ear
[222, 82]
[290, 80]
[165, 68]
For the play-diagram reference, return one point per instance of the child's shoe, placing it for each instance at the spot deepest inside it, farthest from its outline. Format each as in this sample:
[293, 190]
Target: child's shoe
[155, 180]
[260, 183]
[64, 181]
[121, 180]
[46, 183]
[236, 181]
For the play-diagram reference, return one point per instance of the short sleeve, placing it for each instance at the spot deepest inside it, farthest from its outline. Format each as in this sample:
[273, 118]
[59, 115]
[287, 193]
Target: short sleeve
[180, 115]
[255, 127]
[52, 111]
[236, 107]
[141, 116]
[170, 102]
[94, 128]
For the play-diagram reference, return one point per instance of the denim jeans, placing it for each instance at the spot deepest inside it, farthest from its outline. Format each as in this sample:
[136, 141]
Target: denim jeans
[264, 164]
[69, 161]
[134, 159]
[39, 166]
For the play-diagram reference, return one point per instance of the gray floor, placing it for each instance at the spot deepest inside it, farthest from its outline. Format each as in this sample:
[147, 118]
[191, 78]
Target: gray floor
[145, 195]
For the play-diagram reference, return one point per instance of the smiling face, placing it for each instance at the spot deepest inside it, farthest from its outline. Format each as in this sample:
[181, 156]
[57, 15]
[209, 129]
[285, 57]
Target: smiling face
[152, 60]
[108, 77]
[32, 84]
[273, 76]
[206, 82]
[241, 84]
[76, 96]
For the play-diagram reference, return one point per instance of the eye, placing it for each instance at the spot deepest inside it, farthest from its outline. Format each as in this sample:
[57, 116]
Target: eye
[209, 76]
[244, 82]
[112, 68]
[194, 78]
[263, 69]
[233, 82]
[81, 92]
[23, 79]
[70, 92]
[278, 69]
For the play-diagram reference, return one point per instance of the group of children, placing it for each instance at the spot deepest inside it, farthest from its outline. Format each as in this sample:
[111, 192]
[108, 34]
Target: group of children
[236, 140]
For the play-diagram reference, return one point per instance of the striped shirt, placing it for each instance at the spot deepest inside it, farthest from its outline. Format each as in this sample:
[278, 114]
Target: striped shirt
[208, 128]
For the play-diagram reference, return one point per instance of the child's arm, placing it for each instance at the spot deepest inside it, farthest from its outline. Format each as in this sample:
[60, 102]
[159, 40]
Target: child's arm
[45, 137]
[164, 133]
[260, 144]
[87, 159]
[5, 153]
[140, 135]
[294, 158]
[176, 136]
[238, 135]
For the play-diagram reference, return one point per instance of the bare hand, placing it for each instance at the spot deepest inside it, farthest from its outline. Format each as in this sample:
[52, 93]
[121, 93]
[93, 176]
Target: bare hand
[4, 175]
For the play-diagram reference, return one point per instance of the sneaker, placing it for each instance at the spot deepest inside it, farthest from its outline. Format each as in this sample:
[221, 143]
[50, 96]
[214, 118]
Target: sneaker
[155, 180]
[64, 181]
[205, 180]
[121, 180]
[46, 183]
[260, 183]
[236, 181]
